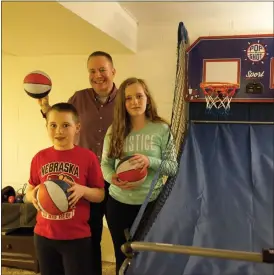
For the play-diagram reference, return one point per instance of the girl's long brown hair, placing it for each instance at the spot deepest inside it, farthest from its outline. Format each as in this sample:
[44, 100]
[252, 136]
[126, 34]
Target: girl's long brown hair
[121, 125]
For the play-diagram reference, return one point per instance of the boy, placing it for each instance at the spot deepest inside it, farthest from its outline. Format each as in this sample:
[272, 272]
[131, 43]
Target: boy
[63, 243]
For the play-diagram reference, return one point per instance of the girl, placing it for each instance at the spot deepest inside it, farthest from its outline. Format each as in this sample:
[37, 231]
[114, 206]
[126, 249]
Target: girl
[136, 130]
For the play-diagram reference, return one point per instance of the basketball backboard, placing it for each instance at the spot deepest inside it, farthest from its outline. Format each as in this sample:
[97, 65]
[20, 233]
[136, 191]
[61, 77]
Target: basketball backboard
[246, 60]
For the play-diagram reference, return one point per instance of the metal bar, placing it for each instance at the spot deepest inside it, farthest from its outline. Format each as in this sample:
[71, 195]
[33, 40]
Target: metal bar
[232, 122]
[197, 251]
[124, 266]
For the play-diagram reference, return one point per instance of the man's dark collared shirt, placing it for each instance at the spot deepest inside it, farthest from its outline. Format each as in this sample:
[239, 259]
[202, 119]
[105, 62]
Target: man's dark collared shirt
[95, 118]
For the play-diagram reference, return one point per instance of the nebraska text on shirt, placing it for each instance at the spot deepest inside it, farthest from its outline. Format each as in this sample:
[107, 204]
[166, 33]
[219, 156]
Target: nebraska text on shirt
[59, 167]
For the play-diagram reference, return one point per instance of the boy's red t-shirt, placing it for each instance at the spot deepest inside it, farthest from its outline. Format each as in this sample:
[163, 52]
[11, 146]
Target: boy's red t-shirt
[81, 166]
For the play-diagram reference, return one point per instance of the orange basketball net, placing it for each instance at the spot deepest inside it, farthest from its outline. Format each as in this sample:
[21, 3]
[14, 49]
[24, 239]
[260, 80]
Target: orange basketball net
[218, 94]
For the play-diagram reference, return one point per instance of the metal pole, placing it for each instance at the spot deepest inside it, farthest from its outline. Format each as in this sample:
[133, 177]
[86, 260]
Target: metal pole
[267, 255]
[124, 266]
[194, 251]
[232, 122]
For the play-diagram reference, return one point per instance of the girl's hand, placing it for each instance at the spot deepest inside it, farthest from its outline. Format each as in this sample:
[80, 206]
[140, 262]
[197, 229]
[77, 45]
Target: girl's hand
[121, 184]
[140, 161]
[77, 191]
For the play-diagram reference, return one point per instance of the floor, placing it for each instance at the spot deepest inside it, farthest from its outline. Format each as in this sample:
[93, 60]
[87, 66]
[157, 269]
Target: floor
[108, 269]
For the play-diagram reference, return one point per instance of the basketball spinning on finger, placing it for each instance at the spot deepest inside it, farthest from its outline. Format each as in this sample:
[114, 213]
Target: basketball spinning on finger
[37, 84]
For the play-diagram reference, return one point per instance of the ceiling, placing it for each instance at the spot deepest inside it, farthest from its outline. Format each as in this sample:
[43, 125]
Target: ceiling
[32, 28]
[206, 18]
[165, 12]
[48, 28]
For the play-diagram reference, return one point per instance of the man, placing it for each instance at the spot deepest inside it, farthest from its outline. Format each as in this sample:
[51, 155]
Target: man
[95, 106]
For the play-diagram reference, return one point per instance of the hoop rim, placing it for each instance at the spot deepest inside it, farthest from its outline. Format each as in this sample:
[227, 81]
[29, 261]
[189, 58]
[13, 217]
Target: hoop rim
[227, 88]
[219, 84]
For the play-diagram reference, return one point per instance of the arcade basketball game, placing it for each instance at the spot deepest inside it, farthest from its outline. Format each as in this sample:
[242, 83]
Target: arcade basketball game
[217, 216]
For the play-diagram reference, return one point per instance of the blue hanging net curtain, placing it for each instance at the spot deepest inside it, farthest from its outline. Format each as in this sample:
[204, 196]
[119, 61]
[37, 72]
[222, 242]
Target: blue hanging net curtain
[222, 196]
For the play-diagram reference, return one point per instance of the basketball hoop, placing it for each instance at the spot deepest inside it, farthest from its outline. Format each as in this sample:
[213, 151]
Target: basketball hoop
[218, 95]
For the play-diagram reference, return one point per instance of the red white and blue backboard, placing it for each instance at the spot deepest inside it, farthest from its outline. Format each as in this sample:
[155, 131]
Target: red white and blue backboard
[245, 60]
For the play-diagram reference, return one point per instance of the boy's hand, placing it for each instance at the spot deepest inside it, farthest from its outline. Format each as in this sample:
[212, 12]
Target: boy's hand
[33, 198]
[77, 191]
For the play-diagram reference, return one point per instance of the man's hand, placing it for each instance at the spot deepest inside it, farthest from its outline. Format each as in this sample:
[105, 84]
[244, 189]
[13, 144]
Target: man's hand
[44, 104]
